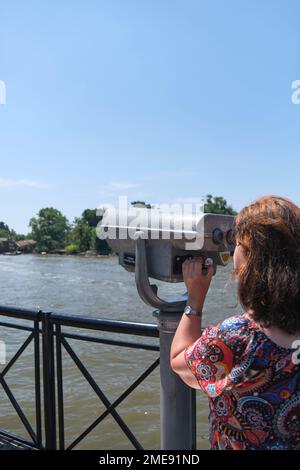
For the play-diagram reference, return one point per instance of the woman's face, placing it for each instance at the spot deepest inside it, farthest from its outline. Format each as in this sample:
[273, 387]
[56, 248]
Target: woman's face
[238, 257]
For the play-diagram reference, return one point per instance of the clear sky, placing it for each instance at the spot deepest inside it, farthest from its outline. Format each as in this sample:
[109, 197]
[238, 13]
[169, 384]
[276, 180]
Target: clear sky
[159, 100]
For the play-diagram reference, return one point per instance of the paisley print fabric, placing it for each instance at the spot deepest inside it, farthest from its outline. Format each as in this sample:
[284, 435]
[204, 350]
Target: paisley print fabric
[253, 386]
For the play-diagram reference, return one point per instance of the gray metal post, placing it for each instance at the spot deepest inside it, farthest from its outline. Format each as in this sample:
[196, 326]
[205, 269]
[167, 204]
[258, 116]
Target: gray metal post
[177, 400]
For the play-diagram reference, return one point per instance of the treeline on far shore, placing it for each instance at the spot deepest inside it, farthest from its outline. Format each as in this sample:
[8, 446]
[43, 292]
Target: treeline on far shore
[51, 232]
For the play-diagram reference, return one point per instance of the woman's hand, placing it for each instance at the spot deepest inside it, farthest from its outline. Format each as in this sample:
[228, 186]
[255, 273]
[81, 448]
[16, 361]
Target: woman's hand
[197, 281]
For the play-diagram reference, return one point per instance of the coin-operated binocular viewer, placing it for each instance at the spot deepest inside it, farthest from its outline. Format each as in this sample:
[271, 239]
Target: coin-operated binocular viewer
[154, 243]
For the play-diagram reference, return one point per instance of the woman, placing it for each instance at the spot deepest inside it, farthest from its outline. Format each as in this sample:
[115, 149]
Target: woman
[248, 365]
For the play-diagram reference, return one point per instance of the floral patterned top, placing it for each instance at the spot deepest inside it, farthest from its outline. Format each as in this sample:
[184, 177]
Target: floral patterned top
[253, 386]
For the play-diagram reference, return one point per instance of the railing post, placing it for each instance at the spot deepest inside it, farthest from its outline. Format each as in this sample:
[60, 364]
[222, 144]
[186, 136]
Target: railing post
[38, 401]
[49, 381]
[177, 400]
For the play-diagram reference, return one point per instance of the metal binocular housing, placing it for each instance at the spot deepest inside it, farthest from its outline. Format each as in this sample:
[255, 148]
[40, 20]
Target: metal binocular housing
[155, 243]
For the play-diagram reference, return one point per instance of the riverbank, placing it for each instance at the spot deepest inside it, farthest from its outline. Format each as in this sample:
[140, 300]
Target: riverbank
[64, 255]
[76, 255]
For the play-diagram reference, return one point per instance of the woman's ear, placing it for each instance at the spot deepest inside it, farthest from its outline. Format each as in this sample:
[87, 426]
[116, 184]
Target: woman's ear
[238, 258]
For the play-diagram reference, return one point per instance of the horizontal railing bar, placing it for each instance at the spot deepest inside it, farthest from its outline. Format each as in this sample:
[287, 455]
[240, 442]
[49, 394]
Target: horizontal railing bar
[92, 339]
[112, 342]
[28, 328]
[16, 327]
[104, 324]
[25, 314]
[101, 324]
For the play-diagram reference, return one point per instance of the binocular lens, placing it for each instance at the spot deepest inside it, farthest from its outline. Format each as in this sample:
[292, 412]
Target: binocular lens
[217, 236]
[230, 237]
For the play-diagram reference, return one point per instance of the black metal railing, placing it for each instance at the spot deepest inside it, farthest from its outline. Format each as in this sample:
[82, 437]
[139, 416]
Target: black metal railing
[49, 341]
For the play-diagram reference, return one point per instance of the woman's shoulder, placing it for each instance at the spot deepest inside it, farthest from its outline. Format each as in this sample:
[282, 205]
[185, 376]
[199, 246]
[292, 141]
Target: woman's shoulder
[235, 324]
[236, 331]
[233, 332]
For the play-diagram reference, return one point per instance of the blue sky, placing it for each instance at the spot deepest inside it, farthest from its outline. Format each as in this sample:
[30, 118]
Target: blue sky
[160, 100]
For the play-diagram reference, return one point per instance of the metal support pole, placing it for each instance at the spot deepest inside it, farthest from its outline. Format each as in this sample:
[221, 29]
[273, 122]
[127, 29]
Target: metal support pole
[49, 381]
[177, 400]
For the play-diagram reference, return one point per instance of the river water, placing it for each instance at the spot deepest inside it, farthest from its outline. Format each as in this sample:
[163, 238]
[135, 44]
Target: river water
[96, 287]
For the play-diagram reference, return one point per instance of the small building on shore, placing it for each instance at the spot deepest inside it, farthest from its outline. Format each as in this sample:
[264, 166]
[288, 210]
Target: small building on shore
[7, 245]
[26, 246]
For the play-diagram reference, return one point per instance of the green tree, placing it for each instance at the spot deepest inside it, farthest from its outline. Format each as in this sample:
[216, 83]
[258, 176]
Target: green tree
[17, 236]
[217, 205]
[101, 246]
[90, 217]
[4, 227]
[141, 204]
[4, 230]
[49, 229]
[4, 234]
[81, 234]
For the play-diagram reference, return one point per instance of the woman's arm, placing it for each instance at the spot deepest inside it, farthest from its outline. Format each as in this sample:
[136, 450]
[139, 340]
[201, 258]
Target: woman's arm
[189, 329]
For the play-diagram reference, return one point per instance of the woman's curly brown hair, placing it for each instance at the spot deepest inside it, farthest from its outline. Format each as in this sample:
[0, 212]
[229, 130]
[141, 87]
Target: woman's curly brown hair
[269, 279]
